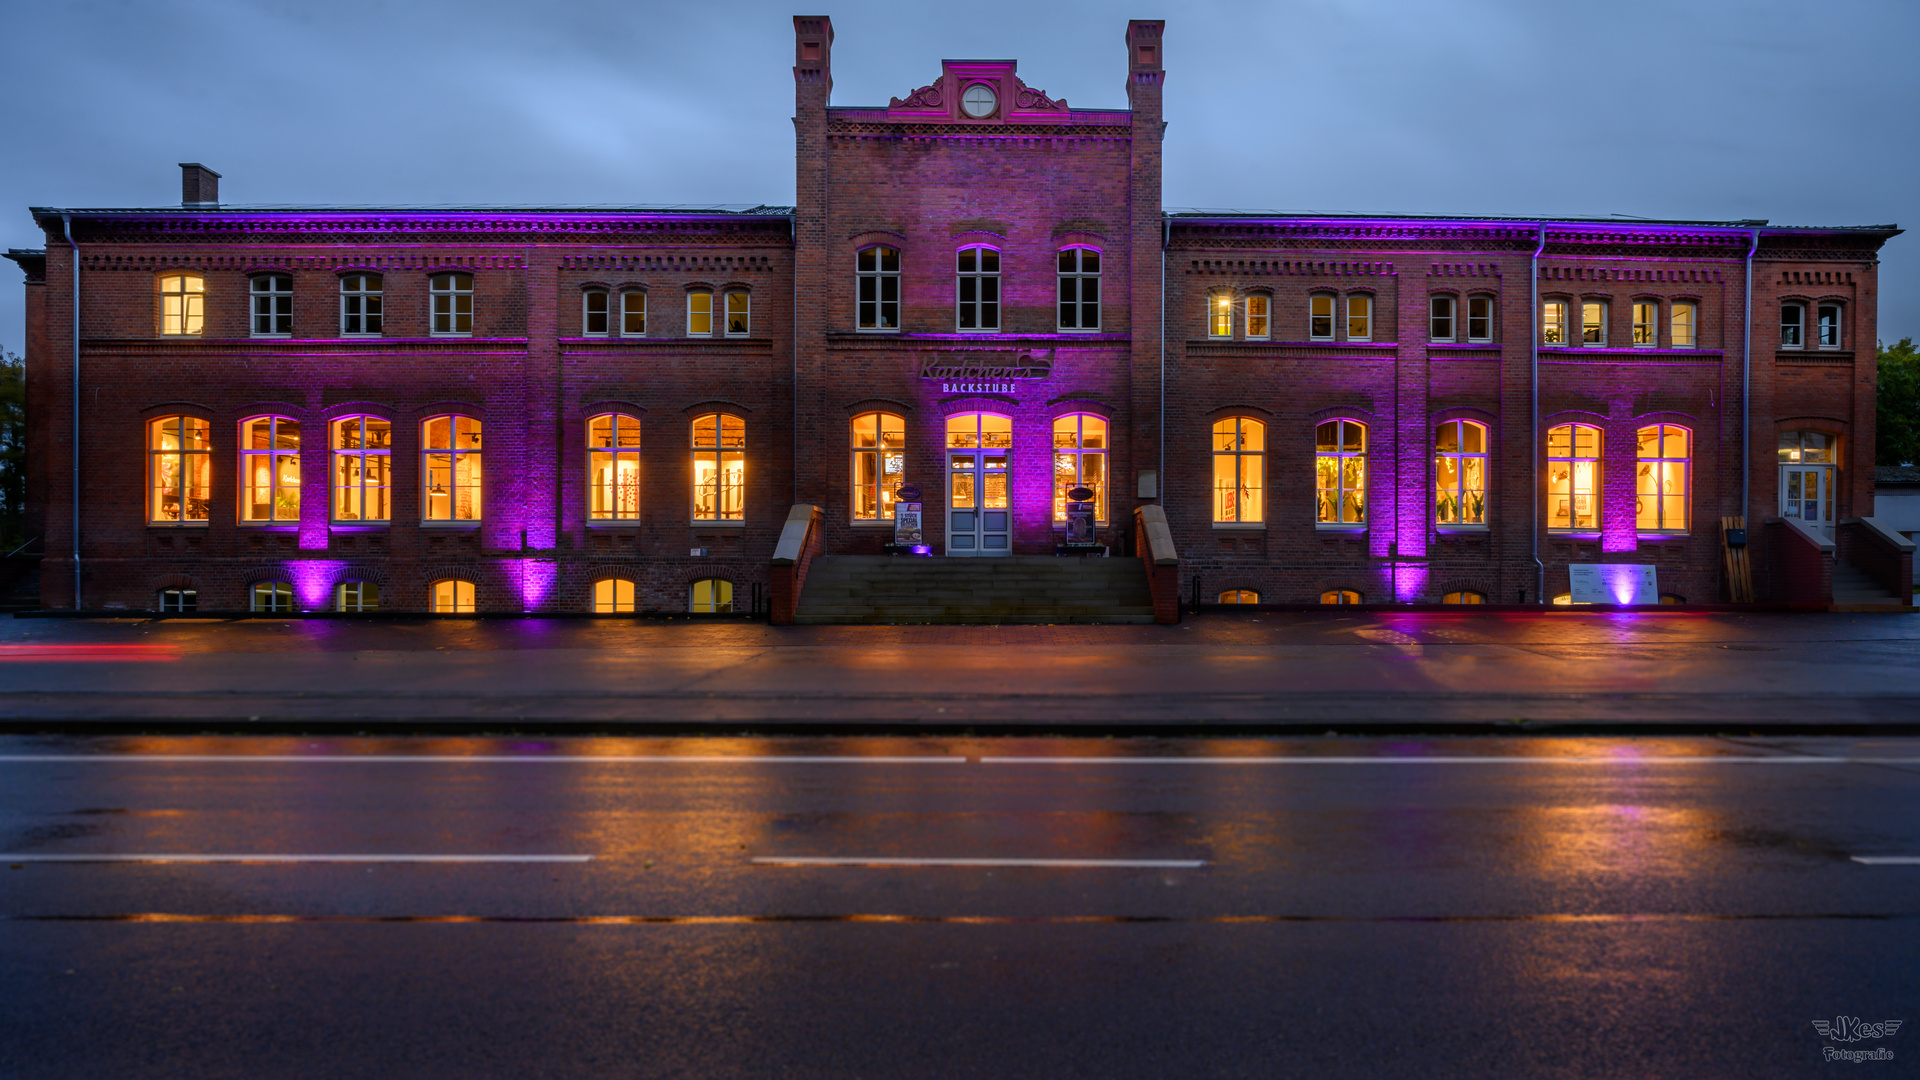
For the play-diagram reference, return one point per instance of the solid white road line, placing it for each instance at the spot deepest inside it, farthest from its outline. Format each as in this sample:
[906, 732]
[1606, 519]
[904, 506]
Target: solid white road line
[469, 759]
[1670, 759]
[1888, 860]
[1070, 864]
[236, 858]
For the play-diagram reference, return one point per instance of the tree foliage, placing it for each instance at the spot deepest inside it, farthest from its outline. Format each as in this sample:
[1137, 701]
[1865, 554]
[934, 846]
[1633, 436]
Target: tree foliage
[1898, 413]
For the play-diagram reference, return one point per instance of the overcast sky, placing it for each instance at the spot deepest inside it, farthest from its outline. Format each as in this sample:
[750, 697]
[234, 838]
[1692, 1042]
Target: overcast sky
[1799, 112]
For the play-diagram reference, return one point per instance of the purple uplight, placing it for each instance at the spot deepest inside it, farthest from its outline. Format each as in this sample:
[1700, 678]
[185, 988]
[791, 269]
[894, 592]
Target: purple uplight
[536, 581]
[313, 581]
[1410, 583]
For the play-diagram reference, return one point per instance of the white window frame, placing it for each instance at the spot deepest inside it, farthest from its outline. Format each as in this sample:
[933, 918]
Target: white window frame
[1573, 459]
[1646, 332]
[1600, 342]
[1674, 310]
[718, 451]
[369, 293]
[614, 596]
[884, 286]
[183, 309]
[1460, 456]
[1343, 492]
[885, 424]
[1364, 320]
[1553, 322]
[1314, 317]
[1229, 437]
[1075, 283]
[271, 306]
[1793, 332]
[1259, 326]
[629, 309]
[1492, 310]
[272, 597]
[1075, 458]
[1821, 325]
[1663, 462]
[337, 457]
[977, 310]
[1450, 331]
[447, 290]
[604, 499]
[587, 313]
[1220, 315]
[184, 462]
[352, 596]
[467, 459]
[694, 312]
[744, 310]
[457, 599]
[273, 457]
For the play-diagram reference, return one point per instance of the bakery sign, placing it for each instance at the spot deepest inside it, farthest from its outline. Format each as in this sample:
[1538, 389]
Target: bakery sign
[985, 373]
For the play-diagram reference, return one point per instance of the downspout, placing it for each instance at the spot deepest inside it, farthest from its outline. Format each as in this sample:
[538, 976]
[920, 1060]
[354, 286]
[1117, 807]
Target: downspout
[793, 347]
[1160, 481]
[1533, 528]
[1746, 383]
[73, 445]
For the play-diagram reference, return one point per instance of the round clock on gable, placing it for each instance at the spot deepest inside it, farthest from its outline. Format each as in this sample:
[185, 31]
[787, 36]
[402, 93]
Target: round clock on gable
[979, 100]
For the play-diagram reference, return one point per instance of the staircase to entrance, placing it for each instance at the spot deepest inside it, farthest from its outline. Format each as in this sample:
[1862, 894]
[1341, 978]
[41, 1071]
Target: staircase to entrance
[1853, 586]
[1013, 589]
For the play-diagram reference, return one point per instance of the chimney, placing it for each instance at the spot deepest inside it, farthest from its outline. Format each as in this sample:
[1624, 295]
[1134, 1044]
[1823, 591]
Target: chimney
[199, 185]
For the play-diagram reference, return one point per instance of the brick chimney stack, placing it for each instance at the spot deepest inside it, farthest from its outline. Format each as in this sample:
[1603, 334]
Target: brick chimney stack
[199, 185]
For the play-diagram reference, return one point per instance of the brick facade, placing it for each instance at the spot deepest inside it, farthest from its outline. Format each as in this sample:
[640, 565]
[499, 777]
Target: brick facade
[925, 177]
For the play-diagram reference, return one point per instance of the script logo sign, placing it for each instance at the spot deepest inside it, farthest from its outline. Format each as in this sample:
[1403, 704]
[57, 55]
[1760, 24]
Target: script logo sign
[1851, 1029]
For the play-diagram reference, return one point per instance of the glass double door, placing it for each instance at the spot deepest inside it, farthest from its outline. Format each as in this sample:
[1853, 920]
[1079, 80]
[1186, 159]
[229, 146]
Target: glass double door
[979, 517]
[1806, 495]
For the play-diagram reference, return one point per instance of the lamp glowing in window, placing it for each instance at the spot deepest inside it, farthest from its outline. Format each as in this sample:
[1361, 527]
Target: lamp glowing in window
[1573, 477]
[179, 470]
[183, 304]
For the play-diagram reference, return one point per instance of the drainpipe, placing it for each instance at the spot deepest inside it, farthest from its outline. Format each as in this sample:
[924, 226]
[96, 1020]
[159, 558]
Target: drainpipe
[1746, 384]
[1160, 481]
[1539, 568]
[793, 344]
[73, 445]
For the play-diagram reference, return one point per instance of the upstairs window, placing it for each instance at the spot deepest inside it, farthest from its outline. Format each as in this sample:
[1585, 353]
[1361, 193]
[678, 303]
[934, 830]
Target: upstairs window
[1460, 473]
[1259, 316]
[1080, 460]
[1573, 477]
[1680, 322]
[362, 469]
[360, 296]
[1239, 471]
[1593, 322]
[1480, 318]
[739, 320]
[879, 464]
[183, 308]
[1079, 289]
[1660, 488]
[272, 305]
[1440, 311]
[1829, 326]
[613, 468]
[270, 470]
[1793, 324]
[700, 313]
[1646, 324]
[595, 318]
[1340, 472]
[977, 288]
[1359, 318]
[1320, 317]
[1220, 315]
[633, 313]
[450, 468]
[179, 470]
[452, 296]
[719, 468]
[876, 275]
[1553, 322]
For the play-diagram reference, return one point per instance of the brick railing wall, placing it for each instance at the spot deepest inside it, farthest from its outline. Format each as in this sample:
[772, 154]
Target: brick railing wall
[1881, 553]
[1800, 564]
[1153, 541]
[801, 540]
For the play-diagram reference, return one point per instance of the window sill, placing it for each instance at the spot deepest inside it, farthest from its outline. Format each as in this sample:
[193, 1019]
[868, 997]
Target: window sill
[613, 523]
[453, 525]
[1462, 530]
[876, 330]
[1240, 526]
[359, 526]
[270, 526]
[361, 337]
[871, 525]
[1575, 535]
[270, 337]
[1338, 527]
[179, 524]
[468, 334]
[1076, 330]
[1663, 535]
[697, 523]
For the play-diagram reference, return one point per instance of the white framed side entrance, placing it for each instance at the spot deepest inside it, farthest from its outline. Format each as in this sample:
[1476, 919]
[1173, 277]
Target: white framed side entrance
[1806, 478]
[979, 519]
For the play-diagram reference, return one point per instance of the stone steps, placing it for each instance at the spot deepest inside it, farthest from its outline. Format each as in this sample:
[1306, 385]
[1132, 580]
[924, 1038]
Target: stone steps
[1013, 589]
[1852, 585]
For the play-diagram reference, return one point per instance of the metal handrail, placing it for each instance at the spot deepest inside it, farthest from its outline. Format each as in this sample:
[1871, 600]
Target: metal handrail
[20, 549]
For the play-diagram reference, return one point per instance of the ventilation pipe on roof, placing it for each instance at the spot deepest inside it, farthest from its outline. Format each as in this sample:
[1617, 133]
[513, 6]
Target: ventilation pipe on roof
[73, 443]
[1533, 530]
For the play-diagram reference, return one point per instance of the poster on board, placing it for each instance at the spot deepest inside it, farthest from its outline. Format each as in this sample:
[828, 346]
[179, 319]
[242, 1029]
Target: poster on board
[1613, 583]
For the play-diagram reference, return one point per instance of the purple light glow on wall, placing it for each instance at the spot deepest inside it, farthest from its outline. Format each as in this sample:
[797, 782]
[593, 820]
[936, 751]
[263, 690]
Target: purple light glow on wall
[313, 581]
[1410, 583]
[537, 577]
[1621, 581]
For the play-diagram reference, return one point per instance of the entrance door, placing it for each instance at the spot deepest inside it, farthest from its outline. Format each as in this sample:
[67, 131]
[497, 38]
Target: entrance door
[1806, 494]
[978, 516]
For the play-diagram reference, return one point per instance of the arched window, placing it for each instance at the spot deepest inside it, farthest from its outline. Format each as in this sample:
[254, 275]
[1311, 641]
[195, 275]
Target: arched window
[699, 312]
[876, 273]
[1660, 487]
[613, 468]
[1239, 470]
[356, 596]
[452, 296]
[719, 468]
[270, 469]
[270, 596]
[183, 304]
[1573, 477]
[739, 312]
[1239, 596]
[450, 468]
[360, 304]
[711, 596]
[1341, 596]
[595, 318]
[1340, 472]
[272, 296]
[1259, 316]
[1460, 473]
[179, 601]
[879, 464]
[1079, 289]
[1220, 315]
[612, 596]
[1080, 460]
[1464, 596]
[633, 313]
[977, 288]
[179, 470]
[451, 597]
[362, 469]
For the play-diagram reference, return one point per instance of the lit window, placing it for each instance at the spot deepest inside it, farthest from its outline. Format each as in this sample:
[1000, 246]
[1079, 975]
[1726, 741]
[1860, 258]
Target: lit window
[1239, 596]
[270, 596]
[452, 304]
[272, 305]
[179, 600]
[699, 313]
[360, 296]
[1460, 473]
[362, 469]
[450, 468]
[1806, 476]
[1680, 322]
[183, 308]
[613, 468]
[877, 280]
[1553, 322]
[711, 596]
[612, 596]
[1359, 318]
[1593, 322]
[1259, 316]
[977, 288]
[1563, 599]
[1341, 596]
[1646, 324]
[739, 319]
[270, 469]
[1573, 477]
[1480, 318]
[1340, 472]
[594, 316]
[356, 596]
[1079, 289]
[1672, 598]
[180, 470]
[1220, 315]
[719, 468]
[1080, 460]
[633, 313]
[1805, 448]
[1793, 319]
[1440, 318]
[879, 464]
[1320, 317]
[1464, 596]
[1239, 470]
[1660, 489]
[451, 597]
[1829, 325]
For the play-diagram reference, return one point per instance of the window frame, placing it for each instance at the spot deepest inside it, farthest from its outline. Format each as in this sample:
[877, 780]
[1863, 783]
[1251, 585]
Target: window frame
[1459, 492]
[1243, 493]
[745, 312]
[983, 281]
[458, 286]
[373, 298]
[1263, 331]
[1078, 280]
[1079, 452]
[467, 461]
[1365, 318]
[358, 588]
[462, 592]
[1239, 596]
[338, 455]
[186, 461]
[876, 453]
[1793, 332]
[617, 490]
[1685, 463]
[1554, 315]
[1340, 456]
[627, 312]
[1314, 317]
[1573, 460]
[721, 452]
[613, 604]
[715, 605]
[276, 300]
[1340, 597]
[1692, 322]
[279, 594]
[1220, 315]
[273, 453]
[1599, 328]
[1649, 327]
[883, 282]
[1434, 318]
[190, 320]
[700, 313]
[178, 600]
[1821, 325]
[587, 313]
[1490, 318]
[1459, 596]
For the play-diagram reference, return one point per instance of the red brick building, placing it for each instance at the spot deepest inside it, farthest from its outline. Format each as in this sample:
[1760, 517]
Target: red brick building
[978, 294]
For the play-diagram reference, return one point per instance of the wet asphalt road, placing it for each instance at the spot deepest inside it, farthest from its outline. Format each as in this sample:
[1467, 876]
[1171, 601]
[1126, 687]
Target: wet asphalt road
[1367, 908]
